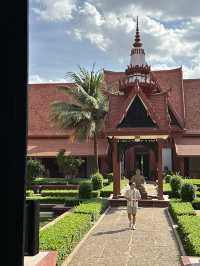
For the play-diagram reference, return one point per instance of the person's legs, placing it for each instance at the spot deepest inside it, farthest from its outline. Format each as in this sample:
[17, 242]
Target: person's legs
[134, 218]
[129, 218]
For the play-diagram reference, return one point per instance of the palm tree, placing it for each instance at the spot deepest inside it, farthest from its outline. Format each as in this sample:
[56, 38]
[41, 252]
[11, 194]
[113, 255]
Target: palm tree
[86, 114]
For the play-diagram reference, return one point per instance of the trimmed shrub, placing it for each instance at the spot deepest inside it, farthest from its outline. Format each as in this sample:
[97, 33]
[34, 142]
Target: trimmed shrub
[196, 204]
[167, 189]
[85, 190]
[34, 168]
[168, 178]
[106, 191]
[177, 209]
[93, 208]
[64, 235]
[176, 183]
[59, 193]
[95, 194]
[110, 177]
[29, 193]
[97, 181]
[187, 192]
[58, 181]
[190, 234]
[54, 200]
[47, 181]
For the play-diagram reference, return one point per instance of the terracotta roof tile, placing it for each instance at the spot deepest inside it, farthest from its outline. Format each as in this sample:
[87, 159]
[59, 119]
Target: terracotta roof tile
[192, 104]
[40, 96]
[159, 102]
[167, 79]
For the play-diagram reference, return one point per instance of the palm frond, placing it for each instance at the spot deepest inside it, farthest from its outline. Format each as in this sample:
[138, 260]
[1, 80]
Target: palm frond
[80, 95]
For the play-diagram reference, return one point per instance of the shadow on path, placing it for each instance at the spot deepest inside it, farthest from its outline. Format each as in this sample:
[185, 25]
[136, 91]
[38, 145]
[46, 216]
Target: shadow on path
[111, 232]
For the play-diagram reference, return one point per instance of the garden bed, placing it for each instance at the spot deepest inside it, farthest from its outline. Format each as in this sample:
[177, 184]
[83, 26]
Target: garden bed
[65, 233]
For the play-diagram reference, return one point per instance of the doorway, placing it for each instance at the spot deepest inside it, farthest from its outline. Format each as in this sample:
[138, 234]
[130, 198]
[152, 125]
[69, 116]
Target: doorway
[142, 162]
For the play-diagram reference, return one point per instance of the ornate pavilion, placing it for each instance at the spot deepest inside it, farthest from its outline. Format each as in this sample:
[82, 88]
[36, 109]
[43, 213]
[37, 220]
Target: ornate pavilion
[153, 123]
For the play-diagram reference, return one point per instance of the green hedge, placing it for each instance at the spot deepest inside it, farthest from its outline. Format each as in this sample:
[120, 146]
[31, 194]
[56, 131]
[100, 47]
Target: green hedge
[197, 193]
[68, 201]
[177, 209]
[29, 193]
[58, 181]
[196, 204]
[195, 182]
[65, 234]
[167, 188]
[93, 208]
[106, 191]
[59, 193]
[190, 234]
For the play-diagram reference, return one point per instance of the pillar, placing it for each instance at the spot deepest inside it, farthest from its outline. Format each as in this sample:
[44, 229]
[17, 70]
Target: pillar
[182, 166]
[116, 170]
[159, 167]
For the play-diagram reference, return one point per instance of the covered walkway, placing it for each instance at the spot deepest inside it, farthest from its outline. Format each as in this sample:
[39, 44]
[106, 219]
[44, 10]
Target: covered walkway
[112, 243]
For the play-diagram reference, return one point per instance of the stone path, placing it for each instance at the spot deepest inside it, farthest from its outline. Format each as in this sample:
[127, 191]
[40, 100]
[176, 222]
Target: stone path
[111, 243]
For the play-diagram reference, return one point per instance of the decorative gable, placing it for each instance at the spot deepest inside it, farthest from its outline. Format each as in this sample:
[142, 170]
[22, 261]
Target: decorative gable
[173, 120]
[137, 116]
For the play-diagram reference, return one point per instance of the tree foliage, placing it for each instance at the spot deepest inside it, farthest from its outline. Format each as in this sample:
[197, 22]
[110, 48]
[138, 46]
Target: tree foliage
[85, 114]
[68, 165]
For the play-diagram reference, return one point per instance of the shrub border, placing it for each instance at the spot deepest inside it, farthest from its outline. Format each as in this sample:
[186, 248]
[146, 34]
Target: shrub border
[75, 250]
[178, 239]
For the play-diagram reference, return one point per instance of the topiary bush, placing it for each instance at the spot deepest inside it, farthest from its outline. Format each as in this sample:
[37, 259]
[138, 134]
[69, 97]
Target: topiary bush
[97, 181]
[168, 178]
[85, 190]
[187, 192]
[34, 168]
[176, 183]
[110, 177]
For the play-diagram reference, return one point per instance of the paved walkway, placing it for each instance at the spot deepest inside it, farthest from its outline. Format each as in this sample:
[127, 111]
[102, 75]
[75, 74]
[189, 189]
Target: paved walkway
[111, 243]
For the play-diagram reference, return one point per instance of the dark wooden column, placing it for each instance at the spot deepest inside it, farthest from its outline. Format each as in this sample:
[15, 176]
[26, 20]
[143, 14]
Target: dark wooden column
[159, 167]
[116, 169]
[182, 166]
[13, 111]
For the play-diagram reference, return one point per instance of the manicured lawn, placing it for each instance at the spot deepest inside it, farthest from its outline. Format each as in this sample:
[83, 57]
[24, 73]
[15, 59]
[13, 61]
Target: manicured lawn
[45, 220]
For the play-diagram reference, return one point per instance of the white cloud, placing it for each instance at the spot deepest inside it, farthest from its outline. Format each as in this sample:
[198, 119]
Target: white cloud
[92, 14]
[169, 30]
[38, 79]
[55, 10]
[99, 40]
[192, 71]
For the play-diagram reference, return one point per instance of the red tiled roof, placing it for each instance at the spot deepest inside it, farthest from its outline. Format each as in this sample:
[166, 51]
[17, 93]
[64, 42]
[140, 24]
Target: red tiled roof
[172, 79]
[159, 103]
[167, 79]
[187, 146]
[156, 105]
[50, 147]
[192, 104]
[40, 96]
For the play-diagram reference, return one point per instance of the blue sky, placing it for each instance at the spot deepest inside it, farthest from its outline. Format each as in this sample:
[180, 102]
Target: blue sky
[66, 33]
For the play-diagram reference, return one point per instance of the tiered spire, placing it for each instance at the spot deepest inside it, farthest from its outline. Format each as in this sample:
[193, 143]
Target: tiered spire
[137, 52]
[137, 36]
[138, 71]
